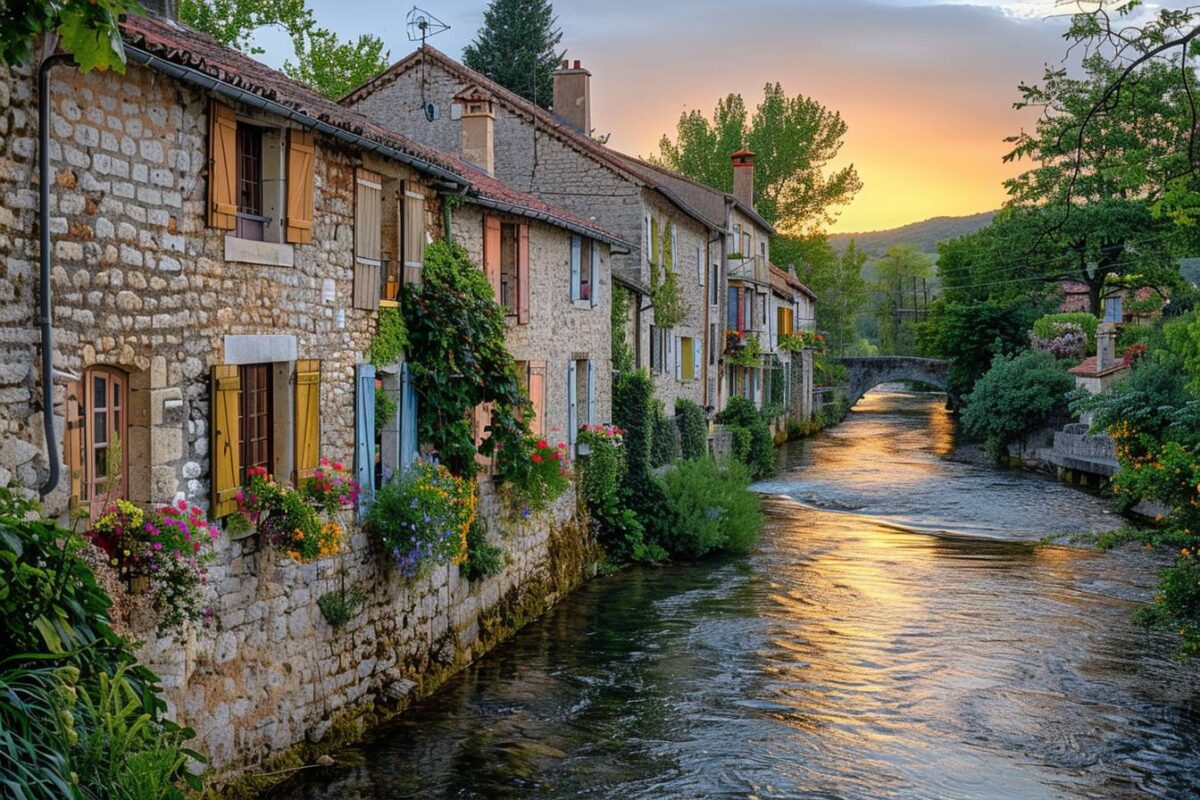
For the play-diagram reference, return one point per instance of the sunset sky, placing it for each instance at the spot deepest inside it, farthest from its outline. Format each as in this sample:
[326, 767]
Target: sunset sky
[926, 88]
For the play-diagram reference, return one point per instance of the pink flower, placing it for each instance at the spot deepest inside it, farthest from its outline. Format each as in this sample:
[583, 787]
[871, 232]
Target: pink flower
[337, 465]
[158, 545]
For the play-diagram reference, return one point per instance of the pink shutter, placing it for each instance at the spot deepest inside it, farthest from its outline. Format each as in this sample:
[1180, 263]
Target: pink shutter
[523, 274]
[491, 253]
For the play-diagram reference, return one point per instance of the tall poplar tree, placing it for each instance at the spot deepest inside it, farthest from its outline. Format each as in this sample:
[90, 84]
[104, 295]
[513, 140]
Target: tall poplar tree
[517, 47]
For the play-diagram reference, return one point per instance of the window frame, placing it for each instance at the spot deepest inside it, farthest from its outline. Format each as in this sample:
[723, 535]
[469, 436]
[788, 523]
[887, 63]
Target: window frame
[265, 417]
[93, 491]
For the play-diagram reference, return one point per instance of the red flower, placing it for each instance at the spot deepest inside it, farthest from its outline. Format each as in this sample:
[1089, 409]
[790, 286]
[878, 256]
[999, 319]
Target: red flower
[542, 444]
[537, 458]
[337, 465]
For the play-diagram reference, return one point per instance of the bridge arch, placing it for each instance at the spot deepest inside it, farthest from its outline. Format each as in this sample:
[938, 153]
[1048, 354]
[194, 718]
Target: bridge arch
[865, 373]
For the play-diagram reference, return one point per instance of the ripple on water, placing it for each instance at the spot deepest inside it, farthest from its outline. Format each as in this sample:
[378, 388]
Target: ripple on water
[852, 657]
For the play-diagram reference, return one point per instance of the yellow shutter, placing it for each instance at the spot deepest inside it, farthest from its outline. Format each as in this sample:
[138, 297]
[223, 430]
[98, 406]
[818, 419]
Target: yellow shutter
[308, 418]
[301, 161]
[226, 442]
[222, 167]
[73, 441]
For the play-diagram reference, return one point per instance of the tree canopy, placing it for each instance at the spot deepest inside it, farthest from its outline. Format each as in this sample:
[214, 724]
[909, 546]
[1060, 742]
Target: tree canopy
[836, 278]
[796, 140]
[87, 29]
[517, 47]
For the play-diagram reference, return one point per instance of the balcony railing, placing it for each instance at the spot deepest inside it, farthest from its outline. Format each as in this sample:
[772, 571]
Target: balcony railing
[752, 268]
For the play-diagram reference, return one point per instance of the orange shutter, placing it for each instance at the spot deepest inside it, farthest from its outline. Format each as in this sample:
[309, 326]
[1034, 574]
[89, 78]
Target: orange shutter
[491, 253]
[226, 442]
[522, 274]
[74, 441]
[222, 167]
[537, 396]
[301, 161]
[307, 429]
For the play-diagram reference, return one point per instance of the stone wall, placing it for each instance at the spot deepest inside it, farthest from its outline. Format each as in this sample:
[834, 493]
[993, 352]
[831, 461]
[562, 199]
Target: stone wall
[558, 330]
[271, 683]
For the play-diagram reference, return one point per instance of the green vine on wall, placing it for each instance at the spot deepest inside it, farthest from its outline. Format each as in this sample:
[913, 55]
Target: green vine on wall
[390, 340]
[669, 307]
[622, 353]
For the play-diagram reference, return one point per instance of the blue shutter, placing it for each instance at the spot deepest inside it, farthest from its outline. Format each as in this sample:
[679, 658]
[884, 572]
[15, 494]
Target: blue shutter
[408, 418]
[591, 390]
[364, 434]
[572, 405]
[696, 358]
[576, 256]
[594, 280]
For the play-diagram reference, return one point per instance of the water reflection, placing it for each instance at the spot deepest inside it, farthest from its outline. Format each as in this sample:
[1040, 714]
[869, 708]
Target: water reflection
[849, 658]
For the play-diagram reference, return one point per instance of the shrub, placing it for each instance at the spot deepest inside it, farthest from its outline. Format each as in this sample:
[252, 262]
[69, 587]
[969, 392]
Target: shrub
[693, 429]
[631, 412]
[601, 471]
[483, 558]
[753, 444]
[709, 510]
[339, 607]
[534, 474]
[1015, 396]
[664, 446]
[1051, 325]
[1067, 340]
[422, 517]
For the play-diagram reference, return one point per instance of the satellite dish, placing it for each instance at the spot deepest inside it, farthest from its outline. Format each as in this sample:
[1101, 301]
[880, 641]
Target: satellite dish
[432, 112]
[421, 25]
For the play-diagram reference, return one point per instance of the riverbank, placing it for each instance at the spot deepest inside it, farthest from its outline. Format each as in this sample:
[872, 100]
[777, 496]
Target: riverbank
[858, 653]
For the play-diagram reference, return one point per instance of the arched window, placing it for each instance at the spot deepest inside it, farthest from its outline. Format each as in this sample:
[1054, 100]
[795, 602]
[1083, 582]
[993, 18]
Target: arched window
[98, 436]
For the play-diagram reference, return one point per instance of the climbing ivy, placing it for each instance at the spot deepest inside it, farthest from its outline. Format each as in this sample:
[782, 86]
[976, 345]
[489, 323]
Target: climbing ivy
[622, 353]
[391, 338]
[669, 308]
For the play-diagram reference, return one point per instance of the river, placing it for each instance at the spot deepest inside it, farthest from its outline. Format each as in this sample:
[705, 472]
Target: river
[898, 634]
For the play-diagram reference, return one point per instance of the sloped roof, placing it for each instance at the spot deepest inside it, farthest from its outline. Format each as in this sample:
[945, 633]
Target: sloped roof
[699, 195]
[785, 281]
[181, 45]
[545, 120]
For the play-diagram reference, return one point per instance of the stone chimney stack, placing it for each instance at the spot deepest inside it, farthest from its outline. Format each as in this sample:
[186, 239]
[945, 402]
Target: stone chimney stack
[478, 128]
[743, 177]
[1106, 346]
[573, 95]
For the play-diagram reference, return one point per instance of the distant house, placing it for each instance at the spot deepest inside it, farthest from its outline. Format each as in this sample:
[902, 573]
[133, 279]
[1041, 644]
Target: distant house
[552, 156]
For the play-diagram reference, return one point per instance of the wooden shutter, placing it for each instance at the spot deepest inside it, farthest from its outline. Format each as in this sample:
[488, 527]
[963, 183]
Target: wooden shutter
[301, 166]
[594, 280]
[226, 441]
[591, 390]
[408, 418]
[307, 430]
[364, 433]
[413, 229]
[491, 253]
[537, 396]
[73, 441]
[572, 403]
[522, 274]
[222, 167]
[368, 230]
[576, 257]
[677, 344]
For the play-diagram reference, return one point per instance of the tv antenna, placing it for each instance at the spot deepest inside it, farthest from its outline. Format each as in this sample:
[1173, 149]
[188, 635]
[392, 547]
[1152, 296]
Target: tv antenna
[422, 25]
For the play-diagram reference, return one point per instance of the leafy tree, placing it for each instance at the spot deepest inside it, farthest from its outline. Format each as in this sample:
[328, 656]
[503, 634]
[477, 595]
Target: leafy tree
[837, 280]
[1015, 396]
[323, 60]
[709, 509]
[87, 29]
[796, 139]
[334, 67]
[899, 273]
[972, 334]
[517, 47]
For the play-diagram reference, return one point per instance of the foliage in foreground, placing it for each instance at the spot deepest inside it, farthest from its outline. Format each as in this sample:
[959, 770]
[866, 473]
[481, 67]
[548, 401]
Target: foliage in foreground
[422, 517]
[709, 509]
[1014, 397]
[753, 444]
[79, 718]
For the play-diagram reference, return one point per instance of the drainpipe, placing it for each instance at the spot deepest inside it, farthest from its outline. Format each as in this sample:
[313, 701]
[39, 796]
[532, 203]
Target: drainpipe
[45, 321]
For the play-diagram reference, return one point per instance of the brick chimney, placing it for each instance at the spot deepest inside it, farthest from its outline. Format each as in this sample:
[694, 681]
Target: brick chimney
[743, 177]
[478, 127]
[573, 95]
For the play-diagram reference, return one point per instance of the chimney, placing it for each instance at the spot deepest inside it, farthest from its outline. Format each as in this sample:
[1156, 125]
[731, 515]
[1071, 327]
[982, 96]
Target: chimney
[1106, 346]
[573, 95]
[161, 9]
[743, 177]
[478, 127]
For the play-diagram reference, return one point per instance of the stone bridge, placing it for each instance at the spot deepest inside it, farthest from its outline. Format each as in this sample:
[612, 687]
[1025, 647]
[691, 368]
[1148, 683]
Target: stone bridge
[864, 374]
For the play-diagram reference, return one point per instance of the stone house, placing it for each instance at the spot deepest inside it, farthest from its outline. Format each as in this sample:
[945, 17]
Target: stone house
[791, 312]
[553, 156]
[221, 243]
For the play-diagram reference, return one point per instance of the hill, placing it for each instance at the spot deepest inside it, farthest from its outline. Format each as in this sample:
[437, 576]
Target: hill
[923, 235]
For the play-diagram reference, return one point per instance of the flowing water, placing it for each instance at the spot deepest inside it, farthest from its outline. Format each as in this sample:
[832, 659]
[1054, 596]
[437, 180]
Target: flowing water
[899, 634]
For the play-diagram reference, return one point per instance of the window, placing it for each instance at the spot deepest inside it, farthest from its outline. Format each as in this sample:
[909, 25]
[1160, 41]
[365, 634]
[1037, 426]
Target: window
[699, 266]
[255, 418]
[585, 270]
[714, 343]
[101, 425]
[762, 250]
[508, 267]
[746, 322]
[581, 397]
[733, 308]
[687, 355]
[747, 248]
[714, 282]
